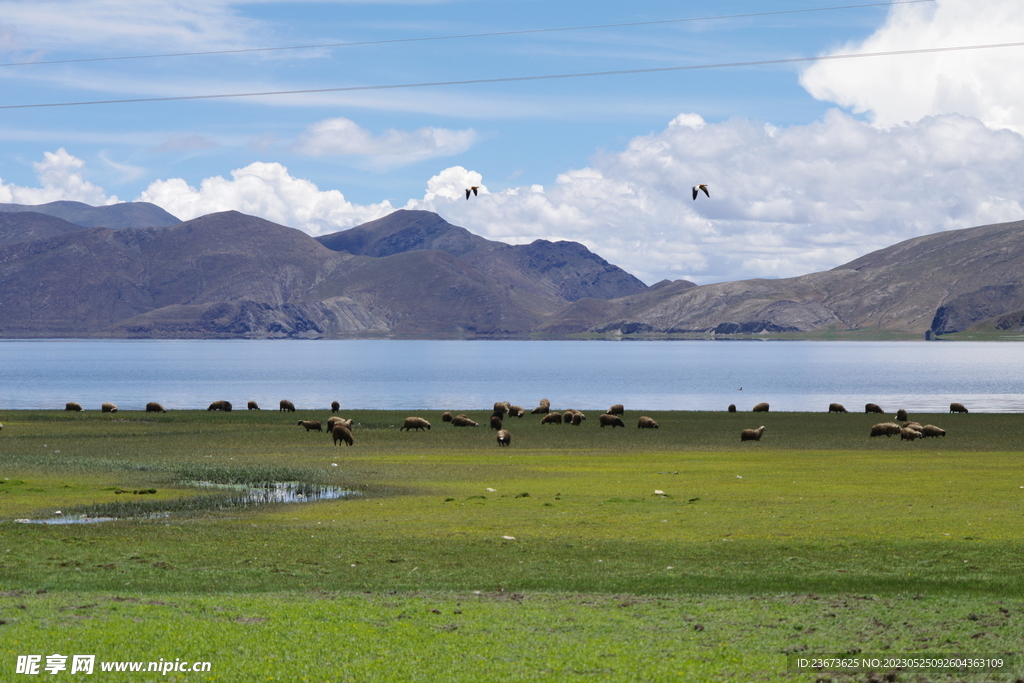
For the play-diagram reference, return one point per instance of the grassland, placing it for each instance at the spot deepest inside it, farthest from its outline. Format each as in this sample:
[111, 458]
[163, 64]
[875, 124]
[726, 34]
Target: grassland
[553, 559]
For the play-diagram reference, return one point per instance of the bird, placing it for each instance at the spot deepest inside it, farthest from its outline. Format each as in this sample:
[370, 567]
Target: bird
[474, 188]
[696, 189]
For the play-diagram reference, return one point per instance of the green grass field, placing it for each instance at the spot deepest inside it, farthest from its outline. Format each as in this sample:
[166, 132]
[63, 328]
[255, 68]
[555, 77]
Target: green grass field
[552, 559]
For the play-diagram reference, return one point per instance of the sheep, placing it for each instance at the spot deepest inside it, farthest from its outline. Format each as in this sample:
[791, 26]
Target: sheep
[567, 416]
[72, 406]
[543, 408]
[916, 426]
[1, 428]
[908, 434]
[335, 420]
[609, 420]
[503, 407]
[885, 429]
[287, 406]
[108, 408]
[252, 405]
[516, 411]
[341, 433]
[417, 423]
[221, 405]
[504, 437]
[761, 408]
[496, 422]
[873, 408]
[463, 421]
[646, 423]
[335, 406]
[578, 418]
[932, 430]
[552, 419]
[752, 434]
[310, 425]
[901, 415]
[957, 408]
[836, 408]
[154, 407]
[732, 407]
[616, 409]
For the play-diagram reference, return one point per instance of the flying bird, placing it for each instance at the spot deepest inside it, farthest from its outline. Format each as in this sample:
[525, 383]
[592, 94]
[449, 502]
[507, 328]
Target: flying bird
[696, 189]
[474, 188]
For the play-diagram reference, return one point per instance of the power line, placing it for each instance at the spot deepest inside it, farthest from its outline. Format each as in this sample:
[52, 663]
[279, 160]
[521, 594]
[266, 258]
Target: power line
[514, 79]
[462, 36]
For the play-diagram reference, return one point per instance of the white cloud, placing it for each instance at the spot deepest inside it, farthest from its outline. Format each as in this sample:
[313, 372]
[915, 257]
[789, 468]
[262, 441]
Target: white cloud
[60, 175]
[986, 84]
[393, 148]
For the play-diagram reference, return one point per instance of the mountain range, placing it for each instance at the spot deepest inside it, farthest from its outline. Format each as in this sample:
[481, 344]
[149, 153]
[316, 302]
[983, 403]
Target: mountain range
[134, 271]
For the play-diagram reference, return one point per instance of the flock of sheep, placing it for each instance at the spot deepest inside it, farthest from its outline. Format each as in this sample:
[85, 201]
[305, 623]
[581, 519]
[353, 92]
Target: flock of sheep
[341, 429]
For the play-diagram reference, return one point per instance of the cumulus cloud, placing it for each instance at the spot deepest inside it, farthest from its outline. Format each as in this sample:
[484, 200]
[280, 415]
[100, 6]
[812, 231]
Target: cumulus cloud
[393, 148]
[985, 84]
[60, 175]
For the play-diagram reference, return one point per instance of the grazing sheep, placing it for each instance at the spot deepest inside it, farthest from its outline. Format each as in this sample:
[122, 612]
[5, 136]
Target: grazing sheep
[463, 421]
[310, 425]
[873, 408]
[578, 418]
[885, 429]
[504, 437]
[901, 415]
[761, 408]
[287, 406]
[252, 405]
[417, 423]
[609, 420]
[154, 407]
[908, 434]
[71, 405]
[616, 409]
[496, 422]
[957, 408]
[932, 430]
[543, 408]
[752, 434]
[916, 426]
[446, 416]
[341, 433]
[516, 411]
[836, 408]
[335, 406]
[567, 416]
[552, 419]
[221, 405]
[646, 423]
[333, 421]
[503, 407]
[732, 407]
[108, 408]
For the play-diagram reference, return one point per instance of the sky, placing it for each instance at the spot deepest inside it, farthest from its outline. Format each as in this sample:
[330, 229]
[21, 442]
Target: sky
[810, 161]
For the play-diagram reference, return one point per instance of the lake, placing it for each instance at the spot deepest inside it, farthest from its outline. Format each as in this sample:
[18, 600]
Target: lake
[441, 375]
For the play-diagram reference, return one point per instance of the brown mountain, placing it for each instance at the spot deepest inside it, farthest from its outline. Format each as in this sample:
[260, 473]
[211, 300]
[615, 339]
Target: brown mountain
[117, 216]
[940, 283]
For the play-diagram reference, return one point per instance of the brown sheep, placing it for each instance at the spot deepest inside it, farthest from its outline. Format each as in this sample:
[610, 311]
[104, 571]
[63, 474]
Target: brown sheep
[154, 407]
[252, 405]
[578, 418]
[72, 406]
[957, 408]
[221, 405]
[752, 434]
[873, 408]
[335, 406]
[761, 408]
[463, 421]
[503, 407]
[335, 420]
[616, 409]
[732, 407]
[310, 425]
[836, 408]
[901, 415]
[885, 429]
[567, 416]
[916, 426]
[504, 437]
[646, 423]
[341, 433]
[516, 411]
[908, 434]
[609, 420]
[108, 408]
[496, 422]
[287, 407]
[543, 408]
[417, 423]
[552, 419]
[446, 416]
[932, 430]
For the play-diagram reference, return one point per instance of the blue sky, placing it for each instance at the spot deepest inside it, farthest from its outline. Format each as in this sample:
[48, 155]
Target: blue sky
[809, 164]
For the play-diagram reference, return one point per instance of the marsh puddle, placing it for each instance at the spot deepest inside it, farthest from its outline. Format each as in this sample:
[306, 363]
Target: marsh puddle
[245, 496]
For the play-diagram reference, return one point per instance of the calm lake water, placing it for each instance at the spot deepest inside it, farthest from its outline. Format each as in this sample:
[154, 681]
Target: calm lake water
[439, 375]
